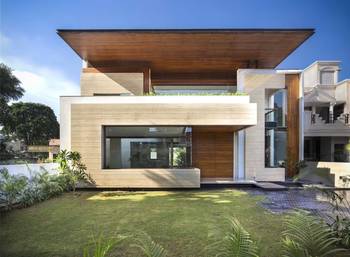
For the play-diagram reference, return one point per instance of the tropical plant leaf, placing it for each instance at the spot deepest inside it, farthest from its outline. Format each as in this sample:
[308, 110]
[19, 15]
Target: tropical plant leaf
[236, 243]
[102, 246]
[308, 236]
[149, 247]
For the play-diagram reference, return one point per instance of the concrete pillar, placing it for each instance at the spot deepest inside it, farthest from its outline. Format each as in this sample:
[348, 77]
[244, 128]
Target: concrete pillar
[313, 109]
[331, 117]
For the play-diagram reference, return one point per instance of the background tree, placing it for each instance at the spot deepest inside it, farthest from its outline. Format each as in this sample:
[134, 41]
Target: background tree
[10, 89]
[10, 86]
[33, 123]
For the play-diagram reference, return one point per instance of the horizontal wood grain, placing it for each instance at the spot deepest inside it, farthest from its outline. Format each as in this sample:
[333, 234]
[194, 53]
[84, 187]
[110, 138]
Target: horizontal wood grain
[193, 51]
[212, 153]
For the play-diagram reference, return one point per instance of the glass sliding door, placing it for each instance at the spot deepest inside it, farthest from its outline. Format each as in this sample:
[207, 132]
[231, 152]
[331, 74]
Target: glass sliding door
[146, 147]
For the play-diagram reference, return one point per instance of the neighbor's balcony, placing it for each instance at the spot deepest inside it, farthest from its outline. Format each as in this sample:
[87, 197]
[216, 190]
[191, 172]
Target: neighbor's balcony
[314, 125]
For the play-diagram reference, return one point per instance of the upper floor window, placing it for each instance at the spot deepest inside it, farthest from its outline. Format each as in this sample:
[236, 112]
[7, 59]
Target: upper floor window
[327, 78]
[194, 89]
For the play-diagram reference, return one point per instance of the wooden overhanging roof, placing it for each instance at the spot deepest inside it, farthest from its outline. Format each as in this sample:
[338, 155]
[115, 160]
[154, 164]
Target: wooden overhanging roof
[190, 52]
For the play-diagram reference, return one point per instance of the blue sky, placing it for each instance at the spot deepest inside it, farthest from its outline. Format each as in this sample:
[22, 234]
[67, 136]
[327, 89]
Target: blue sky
[30, 45]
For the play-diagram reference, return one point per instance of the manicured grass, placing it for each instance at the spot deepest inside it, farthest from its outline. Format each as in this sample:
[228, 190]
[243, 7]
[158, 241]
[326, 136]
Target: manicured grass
[184, 222]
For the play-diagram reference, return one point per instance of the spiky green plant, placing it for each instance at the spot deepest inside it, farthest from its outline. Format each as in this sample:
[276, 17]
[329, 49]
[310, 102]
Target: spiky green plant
[236, 243]
[102, 246]
[149, 247]
[308, 236]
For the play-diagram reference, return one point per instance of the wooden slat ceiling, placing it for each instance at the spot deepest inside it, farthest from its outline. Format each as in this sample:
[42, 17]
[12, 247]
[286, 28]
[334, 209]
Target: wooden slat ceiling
[216, 51]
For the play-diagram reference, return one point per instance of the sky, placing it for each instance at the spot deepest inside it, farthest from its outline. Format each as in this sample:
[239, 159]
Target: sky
[48, 68]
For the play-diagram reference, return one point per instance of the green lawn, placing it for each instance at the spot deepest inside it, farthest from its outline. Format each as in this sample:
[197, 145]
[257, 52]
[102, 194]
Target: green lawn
[184, 222]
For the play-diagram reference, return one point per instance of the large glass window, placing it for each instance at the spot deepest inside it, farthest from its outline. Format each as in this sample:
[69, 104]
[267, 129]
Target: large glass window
[146, 147]
[275, 129]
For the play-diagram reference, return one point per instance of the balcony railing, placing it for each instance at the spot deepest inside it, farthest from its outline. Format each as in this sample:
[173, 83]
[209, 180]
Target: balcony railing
[344, 118]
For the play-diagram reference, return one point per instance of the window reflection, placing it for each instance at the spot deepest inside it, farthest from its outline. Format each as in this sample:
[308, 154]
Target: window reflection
[275, 129]
[147, 147]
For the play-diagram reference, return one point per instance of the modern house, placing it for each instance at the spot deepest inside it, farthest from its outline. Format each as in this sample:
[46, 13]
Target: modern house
[177, 108]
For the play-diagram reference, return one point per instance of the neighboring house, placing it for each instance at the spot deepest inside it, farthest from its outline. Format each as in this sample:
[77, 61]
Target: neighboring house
[52, 148]
[327, 111]
[157, 107]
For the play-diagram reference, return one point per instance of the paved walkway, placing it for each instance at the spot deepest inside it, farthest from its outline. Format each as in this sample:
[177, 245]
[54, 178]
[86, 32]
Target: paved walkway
[287, 201]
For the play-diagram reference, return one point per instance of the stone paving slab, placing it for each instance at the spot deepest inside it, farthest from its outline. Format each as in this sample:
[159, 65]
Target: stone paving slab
[280, 202]
[270, 186]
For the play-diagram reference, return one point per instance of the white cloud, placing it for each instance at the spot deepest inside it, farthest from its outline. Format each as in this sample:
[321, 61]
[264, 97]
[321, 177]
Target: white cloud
[42, 85]
[4, 41]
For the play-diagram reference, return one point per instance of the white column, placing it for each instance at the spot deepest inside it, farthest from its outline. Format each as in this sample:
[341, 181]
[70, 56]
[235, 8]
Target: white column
[240, 157]
[331, 117]
[272, 132]
[240, 166]
[313, 109]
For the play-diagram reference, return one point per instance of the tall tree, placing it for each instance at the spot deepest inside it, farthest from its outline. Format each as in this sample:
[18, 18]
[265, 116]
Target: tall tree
[10, 85]
[10, 89]
[32, 122]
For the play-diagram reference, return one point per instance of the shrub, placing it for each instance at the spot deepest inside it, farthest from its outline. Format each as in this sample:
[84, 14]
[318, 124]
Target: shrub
[308, 236]
[72, 168]
[11, 187]
[340, 218]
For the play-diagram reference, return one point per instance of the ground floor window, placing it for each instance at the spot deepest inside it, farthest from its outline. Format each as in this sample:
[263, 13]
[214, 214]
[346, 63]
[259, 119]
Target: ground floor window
[326, 149]
[146, 147]
[275, 147]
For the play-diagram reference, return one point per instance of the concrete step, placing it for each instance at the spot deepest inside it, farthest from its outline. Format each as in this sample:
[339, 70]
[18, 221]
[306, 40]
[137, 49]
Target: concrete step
[269, 186]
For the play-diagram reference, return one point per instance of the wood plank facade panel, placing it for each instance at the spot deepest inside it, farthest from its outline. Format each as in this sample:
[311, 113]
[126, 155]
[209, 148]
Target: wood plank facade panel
[212, 153]
[292, 85]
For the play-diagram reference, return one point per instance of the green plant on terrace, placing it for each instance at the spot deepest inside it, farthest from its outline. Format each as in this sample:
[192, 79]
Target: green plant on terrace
[199, 94]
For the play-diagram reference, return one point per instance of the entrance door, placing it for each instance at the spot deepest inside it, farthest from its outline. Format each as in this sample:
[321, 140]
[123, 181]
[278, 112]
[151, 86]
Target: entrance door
[212, 153]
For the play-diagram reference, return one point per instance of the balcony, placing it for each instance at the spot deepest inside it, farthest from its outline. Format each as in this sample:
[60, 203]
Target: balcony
[315, 125]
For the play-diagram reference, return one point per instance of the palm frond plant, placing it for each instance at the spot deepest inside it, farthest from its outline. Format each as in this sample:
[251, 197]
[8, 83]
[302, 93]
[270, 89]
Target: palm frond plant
[102, 246]
[308, 236]
[236, 243]
[148, 247]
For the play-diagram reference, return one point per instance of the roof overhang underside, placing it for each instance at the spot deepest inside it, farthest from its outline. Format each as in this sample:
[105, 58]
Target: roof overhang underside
[202, 53]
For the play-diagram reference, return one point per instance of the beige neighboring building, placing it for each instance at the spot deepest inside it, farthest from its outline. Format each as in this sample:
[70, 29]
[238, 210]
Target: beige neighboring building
[327, 113]
[179, 108]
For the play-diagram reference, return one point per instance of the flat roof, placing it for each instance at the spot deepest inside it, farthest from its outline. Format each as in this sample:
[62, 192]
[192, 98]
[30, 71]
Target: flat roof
[195, 51]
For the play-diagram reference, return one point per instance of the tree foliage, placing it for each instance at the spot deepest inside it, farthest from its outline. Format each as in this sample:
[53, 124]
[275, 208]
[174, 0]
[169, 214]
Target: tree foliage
[10, 89]
[10, 85]
[32, 122]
